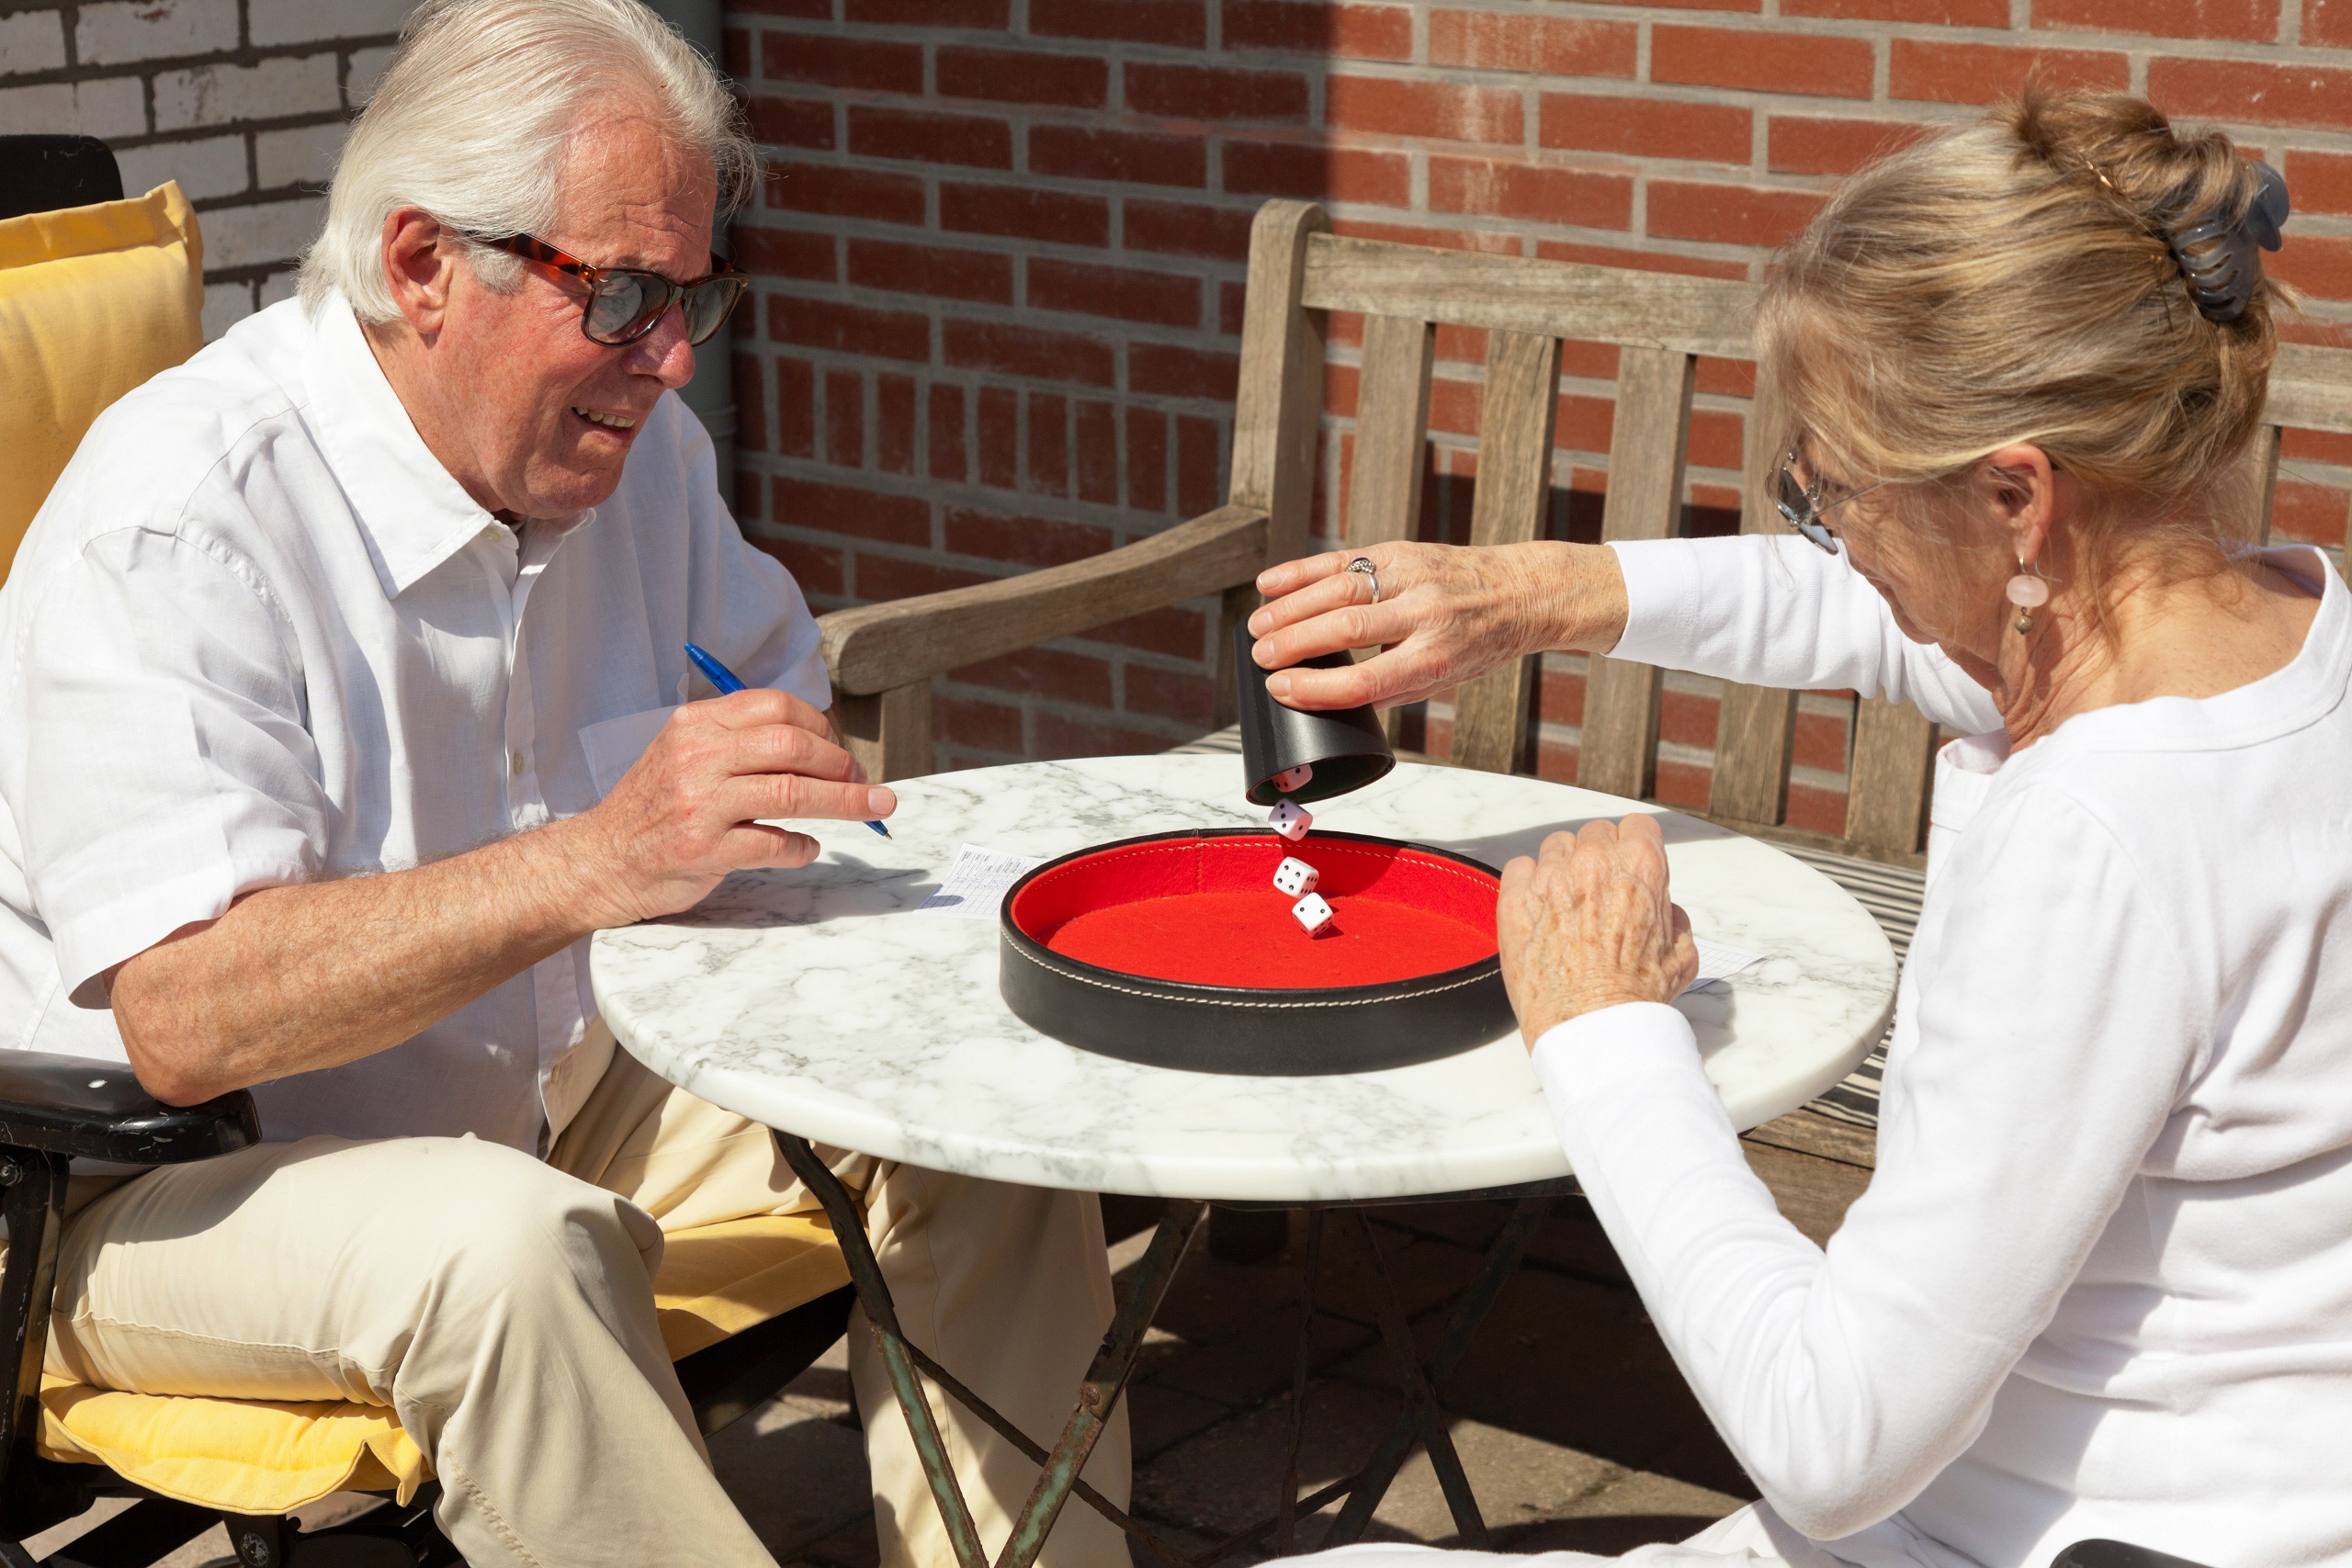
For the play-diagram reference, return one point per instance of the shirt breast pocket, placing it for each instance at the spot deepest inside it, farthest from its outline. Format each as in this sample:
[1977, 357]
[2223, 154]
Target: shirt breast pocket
[613, 746]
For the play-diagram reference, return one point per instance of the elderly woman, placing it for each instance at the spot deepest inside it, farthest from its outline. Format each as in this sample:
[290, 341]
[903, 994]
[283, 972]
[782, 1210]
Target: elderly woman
[2100, 1284]
[345, 696]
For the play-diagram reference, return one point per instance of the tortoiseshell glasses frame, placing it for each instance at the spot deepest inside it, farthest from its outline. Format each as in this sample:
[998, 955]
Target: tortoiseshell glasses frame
[625, 302]
[1801, 503]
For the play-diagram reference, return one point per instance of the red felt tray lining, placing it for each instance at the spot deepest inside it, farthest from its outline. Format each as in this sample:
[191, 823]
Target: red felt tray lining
[1206, 911]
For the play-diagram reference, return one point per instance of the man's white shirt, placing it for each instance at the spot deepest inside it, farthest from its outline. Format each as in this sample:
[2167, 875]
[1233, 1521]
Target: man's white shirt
[258, 636]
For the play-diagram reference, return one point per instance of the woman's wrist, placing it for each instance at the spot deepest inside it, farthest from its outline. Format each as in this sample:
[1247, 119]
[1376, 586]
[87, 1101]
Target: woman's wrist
[1575, 596]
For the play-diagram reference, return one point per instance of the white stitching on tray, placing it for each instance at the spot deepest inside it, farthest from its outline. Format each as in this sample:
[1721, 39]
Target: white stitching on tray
[1325, 846]
[1220, 1003]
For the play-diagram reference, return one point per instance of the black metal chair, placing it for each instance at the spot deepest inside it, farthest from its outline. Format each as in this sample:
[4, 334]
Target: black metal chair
[40, 174]
[2116, 1554]
[56, 1109]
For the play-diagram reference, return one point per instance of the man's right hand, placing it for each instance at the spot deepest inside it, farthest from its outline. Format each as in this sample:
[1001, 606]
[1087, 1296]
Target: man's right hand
[298, 978]
[691, 809]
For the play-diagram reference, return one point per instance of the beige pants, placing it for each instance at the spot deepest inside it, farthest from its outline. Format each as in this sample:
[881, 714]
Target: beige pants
[502, 1308]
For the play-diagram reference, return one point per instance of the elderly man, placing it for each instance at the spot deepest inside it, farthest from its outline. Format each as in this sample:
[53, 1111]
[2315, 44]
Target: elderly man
[342, 701]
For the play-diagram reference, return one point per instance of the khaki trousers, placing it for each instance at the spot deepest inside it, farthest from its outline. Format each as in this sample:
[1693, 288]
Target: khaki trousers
[502, 1308]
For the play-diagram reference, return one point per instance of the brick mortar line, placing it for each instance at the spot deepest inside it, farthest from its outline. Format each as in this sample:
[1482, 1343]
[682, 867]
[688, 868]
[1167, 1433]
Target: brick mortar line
[1865, 30]
[1231, 202]
[243, 57]
[952, 492]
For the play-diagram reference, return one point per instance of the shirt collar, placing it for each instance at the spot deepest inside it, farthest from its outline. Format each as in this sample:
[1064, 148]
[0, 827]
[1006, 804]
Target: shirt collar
[412, 513]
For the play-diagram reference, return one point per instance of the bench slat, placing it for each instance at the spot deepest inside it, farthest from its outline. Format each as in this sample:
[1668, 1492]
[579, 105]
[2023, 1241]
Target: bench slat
[1392, 425]
[2261, 480]
[1756, 728]
[1886, 793]
[1590, 304]
[2311, 388]
[1514, 492]
[1647, 450]
[1280, 392]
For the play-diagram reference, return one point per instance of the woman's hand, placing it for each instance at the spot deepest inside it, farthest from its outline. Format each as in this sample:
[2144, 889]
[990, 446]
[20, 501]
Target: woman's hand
[1446, 614]
[1587, 925]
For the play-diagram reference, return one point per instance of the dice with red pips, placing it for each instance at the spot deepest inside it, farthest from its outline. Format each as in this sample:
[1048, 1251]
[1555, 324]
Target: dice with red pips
[1294, 876]
[1312, 913]
[1291, 821]
[1294, 779]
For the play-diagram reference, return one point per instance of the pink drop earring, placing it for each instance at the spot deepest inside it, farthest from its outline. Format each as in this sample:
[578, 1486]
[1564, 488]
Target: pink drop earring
[2029, 593]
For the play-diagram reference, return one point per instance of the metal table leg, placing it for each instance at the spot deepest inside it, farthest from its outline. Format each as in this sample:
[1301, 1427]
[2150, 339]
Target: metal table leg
[1365, 1489]
[1099, 1394]
[1421, 1402]
[882, 1317]
[1503, 1258]
[1286, 1515]
[1058, 1475]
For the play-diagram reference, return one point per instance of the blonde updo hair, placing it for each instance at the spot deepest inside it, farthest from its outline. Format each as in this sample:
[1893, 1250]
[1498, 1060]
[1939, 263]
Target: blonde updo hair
[2010, 281]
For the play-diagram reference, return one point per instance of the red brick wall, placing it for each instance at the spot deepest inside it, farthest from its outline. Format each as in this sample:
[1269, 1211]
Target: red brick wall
[1001, 245]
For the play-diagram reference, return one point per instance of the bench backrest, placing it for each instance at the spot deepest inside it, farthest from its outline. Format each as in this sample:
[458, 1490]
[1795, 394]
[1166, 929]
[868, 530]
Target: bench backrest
[1660, 324]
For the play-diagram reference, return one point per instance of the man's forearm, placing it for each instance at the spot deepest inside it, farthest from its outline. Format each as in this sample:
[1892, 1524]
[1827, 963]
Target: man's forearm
[294, 979]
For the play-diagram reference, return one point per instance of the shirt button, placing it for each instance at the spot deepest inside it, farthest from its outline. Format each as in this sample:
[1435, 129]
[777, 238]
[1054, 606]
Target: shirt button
[515, 760]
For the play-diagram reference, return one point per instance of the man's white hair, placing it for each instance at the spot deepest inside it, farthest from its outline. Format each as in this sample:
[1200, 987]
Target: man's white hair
[473, 117]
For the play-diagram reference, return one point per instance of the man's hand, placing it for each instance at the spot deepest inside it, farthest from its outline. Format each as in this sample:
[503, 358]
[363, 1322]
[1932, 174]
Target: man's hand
[295, 979]
[1587, 925]
[689, 811]
[1446, 614]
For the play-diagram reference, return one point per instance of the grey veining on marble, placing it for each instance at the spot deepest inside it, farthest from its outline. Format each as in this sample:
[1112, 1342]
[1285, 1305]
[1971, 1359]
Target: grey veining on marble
[816, 1001]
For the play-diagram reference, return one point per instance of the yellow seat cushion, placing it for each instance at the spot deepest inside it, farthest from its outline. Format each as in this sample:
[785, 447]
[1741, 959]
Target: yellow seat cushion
[255, 1456]
[93, 302]
[717, 1281]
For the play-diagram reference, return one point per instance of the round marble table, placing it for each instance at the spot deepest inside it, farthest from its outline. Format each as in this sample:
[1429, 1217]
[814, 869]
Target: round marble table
[816, 1001]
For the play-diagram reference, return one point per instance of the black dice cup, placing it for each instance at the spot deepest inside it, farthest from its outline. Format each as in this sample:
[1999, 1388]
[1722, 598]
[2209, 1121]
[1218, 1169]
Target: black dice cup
[1346, 748]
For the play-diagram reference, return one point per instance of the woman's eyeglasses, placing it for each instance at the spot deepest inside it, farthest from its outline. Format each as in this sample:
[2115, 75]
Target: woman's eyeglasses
[624, 302]
[1802, 504]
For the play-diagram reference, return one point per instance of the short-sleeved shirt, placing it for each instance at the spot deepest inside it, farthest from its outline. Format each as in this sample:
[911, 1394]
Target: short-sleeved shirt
[258, 636]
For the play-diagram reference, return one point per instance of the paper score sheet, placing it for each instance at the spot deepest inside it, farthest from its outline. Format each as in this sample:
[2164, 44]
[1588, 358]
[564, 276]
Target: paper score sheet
[1718, 961]
[975, 884]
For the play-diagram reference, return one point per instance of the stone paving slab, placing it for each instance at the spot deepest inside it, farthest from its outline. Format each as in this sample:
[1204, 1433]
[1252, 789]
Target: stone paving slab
[1576, 1430]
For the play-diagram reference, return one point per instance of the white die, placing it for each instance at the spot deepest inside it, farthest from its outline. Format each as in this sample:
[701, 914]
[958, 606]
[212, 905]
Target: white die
[1312, 913]
[1291, 821]
[1294, 876]
[1291, 780]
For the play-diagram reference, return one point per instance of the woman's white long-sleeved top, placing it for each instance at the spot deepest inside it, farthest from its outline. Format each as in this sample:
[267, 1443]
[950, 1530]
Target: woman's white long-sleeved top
[2102, 1282]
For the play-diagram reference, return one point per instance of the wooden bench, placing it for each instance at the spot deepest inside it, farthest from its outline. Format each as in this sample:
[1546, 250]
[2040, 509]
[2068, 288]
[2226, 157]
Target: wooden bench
[883, 656]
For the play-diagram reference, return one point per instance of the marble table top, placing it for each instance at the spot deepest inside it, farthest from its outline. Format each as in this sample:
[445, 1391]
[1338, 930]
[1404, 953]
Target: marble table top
[816, 1001]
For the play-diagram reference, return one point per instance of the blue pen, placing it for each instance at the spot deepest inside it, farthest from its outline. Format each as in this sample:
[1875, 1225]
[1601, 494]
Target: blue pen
[729, 683]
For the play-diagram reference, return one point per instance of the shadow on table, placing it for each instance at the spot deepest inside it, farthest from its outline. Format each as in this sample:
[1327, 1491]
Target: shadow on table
[765, 901]
[1494, 849]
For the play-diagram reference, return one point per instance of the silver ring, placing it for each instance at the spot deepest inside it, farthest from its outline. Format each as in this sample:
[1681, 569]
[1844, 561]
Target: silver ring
[1363, 565]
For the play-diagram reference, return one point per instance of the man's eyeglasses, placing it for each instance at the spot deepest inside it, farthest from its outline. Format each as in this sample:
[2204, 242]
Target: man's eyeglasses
[1803, 506]
[624, 302]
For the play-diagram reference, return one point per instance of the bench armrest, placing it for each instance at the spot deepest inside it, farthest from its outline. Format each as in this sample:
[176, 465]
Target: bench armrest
[876, 647]
[81, 1106]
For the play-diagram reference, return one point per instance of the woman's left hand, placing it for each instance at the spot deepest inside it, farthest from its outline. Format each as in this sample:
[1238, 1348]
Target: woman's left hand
[1587, 925]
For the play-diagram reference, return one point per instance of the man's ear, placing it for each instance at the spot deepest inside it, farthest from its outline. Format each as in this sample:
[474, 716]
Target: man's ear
[2025, 496]
[421, 261]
